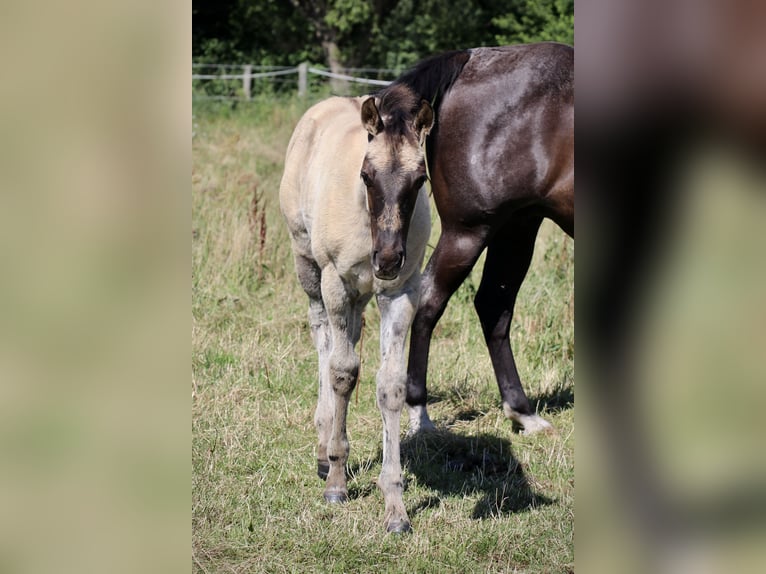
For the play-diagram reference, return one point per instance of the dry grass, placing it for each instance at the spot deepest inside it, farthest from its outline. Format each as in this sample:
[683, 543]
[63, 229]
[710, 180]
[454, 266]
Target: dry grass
[482, 498]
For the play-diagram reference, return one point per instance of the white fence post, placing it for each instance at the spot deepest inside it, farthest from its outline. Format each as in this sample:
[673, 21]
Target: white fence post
[247, 80]
[303, 70]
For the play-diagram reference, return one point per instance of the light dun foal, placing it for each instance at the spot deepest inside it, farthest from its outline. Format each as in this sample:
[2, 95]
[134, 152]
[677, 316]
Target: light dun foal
[353, 197]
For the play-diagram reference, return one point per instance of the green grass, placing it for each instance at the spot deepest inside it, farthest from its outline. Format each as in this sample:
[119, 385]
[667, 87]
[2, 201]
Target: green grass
[481, 497]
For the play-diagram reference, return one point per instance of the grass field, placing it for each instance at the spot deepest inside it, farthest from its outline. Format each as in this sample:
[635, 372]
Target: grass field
[482, 498]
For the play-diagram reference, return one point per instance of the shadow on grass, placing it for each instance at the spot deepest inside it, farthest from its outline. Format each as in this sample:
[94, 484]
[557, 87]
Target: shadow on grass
[457, 465]
[559, 399]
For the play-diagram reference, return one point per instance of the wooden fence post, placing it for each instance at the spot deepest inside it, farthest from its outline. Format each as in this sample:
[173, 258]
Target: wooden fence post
[303, 70]
[246, 80]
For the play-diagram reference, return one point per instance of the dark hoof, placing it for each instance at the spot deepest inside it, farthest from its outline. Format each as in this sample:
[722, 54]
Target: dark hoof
[399, 527]
[336, 497]
[323, 469]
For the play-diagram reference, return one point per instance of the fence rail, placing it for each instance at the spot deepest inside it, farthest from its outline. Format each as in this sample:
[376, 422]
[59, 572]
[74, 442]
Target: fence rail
[229, 86]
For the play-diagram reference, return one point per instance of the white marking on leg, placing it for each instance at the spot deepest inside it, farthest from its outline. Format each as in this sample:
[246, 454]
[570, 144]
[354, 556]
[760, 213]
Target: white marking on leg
[532, 423]
[419, 420]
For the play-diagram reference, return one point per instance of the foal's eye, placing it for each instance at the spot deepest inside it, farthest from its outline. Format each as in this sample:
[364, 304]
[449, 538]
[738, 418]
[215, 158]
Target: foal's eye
[366, 179]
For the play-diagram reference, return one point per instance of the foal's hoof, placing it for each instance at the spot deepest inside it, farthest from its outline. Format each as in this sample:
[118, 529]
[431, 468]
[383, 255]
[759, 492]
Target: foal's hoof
[399, 527]
[336, 497]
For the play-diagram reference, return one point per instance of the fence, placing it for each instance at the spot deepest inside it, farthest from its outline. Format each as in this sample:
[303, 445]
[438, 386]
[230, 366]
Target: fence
[224, 85]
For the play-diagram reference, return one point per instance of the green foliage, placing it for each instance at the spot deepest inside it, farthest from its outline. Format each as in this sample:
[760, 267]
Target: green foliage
[373, 33]
[536, 21]
[417, 28]
[264, 32]
[343, 15]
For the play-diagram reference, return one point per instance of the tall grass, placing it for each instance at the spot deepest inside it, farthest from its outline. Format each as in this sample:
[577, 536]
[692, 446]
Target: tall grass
[482, 498]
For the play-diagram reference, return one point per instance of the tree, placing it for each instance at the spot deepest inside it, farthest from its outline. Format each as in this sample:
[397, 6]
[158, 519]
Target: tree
[345, 28]
[268, 32]
[536, 21]
[375, 33]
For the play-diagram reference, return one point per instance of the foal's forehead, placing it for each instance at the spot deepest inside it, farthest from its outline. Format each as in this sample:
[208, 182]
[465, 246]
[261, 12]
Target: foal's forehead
[394, 152]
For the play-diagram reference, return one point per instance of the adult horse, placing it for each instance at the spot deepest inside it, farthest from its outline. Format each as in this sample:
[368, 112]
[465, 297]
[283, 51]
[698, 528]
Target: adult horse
[353, 197]
[501, 158]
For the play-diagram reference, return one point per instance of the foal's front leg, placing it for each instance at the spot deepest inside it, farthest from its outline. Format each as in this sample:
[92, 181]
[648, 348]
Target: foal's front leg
[396, 311]
[344, 313]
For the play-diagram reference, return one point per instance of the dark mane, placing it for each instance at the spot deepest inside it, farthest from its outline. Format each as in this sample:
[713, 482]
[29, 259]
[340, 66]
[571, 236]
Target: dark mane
[433, 77]
[429, 80]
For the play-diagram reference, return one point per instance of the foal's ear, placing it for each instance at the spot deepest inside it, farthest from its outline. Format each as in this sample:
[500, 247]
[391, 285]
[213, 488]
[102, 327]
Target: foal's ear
[370, 117]
[424, 121]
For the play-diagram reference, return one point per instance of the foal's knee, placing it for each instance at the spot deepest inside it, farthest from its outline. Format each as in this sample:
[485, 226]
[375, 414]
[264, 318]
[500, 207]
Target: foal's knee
[391, 395]
[343, 374]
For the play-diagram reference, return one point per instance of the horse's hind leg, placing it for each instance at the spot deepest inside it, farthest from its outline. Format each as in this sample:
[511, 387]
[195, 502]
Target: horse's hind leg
[451, 262]
[341, 372]
[508, 257]
[396, 312]
[310, 277]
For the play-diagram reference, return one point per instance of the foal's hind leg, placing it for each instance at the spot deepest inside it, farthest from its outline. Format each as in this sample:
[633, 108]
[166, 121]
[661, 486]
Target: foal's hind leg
[451, 262]
[508, 257]
[396, 313]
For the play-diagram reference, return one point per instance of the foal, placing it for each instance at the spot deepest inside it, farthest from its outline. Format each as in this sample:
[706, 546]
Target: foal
[353, 197]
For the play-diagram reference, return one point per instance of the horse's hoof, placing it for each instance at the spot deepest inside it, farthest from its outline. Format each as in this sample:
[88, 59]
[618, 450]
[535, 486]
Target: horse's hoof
[538, 425]
[419, 421]
[336, 497]
[323, 469]
[530, 424]
[412, 432]
[399, 527]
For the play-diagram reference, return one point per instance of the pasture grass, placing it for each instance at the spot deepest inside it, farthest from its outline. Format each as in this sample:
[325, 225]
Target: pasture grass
[482, 498]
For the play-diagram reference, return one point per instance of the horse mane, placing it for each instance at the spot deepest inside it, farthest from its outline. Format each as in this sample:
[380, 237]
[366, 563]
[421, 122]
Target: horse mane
[428, 80]
[431, 78]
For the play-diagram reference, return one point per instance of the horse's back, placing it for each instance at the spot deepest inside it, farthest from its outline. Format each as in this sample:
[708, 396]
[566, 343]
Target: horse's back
[547, 66]
[512, 112]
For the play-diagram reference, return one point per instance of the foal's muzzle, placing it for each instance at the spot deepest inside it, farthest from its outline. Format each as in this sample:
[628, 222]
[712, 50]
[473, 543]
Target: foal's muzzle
[387, 263]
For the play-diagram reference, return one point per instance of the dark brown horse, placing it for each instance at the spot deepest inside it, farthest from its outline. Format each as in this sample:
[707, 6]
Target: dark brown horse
[501, 158]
